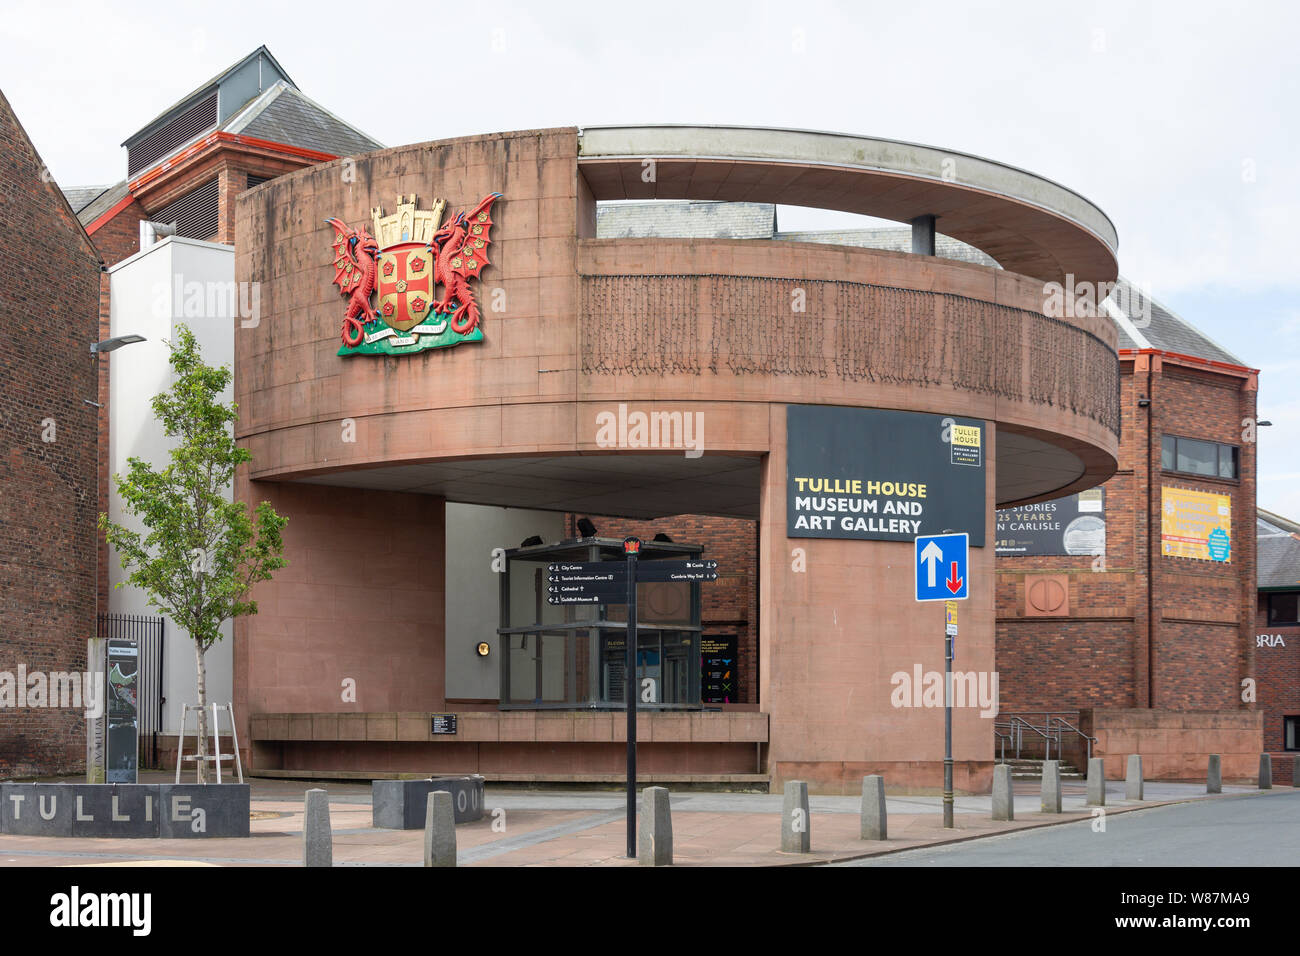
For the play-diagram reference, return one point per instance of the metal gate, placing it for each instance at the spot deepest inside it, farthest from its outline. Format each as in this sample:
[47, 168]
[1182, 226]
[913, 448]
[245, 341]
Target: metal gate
[147, 633]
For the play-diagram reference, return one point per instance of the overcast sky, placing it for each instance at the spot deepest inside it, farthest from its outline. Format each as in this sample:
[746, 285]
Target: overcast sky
[1178, 119]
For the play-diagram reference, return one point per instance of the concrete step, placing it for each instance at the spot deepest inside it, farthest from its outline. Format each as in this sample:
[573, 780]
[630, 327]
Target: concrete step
[1033, 770]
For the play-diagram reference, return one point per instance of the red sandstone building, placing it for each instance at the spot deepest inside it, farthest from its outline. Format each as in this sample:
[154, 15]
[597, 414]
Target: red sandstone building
[691, 326]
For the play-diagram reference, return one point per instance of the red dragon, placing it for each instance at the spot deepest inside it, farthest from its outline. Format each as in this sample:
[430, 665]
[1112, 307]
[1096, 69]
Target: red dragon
[354, 273]
[461, 250]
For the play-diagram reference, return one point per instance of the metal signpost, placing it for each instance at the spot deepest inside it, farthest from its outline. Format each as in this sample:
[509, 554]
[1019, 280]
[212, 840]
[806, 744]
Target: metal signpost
[614, 582]
[946, 553]
[631, 548]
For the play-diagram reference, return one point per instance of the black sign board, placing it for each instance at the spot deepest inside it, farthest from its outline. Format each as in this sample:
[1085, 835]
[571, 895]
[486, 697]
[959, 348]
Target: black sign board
[123, 709]
[605, 582]
[442, 724]
[882, 475]
[719, 668]
[1073, 525]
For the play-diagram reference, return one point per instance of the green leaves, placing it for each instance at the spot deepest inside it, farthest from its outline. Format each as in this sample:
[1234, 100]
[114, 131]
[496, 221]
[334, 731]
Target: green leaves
[199, 554]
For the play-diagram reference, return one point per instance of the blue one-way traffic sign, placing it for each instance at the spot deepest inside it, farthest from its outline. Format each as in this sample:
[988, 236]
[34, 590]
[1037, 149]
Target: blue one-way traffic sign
[940, 566]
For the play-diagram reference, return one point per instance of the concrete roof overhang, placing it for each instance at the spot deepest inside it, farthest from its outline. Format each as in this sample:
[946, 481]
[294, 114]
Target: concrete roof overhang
[1029, 224]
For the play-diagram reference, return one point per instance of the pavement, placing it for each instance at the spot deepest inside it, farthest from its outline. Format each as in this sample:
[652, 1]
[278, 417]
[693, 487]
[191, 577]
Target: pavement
[588, 828]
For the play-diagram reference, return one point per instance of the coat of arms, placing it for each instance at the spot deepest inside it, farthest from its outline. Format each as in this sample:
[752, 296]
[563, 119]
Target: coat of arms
[402, 267]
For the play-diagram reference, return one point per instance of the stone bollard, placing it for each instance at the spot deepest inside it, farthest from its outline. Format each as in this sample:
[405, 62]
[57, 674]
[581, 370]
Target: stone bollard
[1004, 800]
[440, 829]
[1295, 772]
[1051, 786]
[1266, 771]
[796, 826]
[655, 838]
[1096, 782]
[1133, 779]
[317, 840]
[1214, 776]
[875, 823]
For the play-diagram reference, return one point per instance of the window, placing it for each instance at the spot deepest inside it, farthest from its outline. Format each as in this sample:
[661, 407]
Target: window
[1284, 608]
[1195, 457]
[1290, 737]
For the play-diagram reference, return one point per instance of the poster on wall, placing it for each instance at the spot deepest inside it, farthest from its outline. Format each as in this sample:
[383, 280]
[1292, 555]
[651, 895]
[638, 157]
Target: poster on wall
[882, 475]
[1075, 524]
[1195, 524]
[719, 673]
[123, 708]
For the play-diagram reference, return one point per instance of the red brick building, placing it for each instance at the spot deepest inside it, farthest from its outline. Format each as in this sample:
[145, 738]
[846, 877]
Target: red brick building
[1277, 639]
[48, 313]
[1146, 642]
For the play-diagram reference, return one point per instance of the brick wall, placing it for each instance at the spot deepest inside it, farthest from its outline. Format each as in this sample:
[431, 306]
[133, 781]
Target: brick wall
[1278, 670]
[728, 605]
[48, 317]
[1202, 612]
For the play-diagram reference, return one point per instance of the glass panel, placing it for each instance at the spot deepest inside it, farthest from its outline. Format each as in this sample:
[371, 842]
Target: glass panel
[1198, 457]
[1289, 723]
[1227, 461]
[523, 667]
[613, 665]
[555, 665]
[1167, 458]
[1283, 608]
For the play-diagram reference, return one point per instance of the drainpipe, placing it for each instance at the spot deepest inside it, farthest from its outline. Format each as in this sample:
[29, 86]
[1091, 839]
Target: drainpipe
[1151, 677]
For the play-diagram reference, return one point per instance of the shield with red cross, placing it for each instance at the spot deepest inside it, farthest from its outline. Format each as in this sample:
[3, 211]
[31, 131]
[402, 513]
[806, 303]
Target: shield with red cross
[405, 284]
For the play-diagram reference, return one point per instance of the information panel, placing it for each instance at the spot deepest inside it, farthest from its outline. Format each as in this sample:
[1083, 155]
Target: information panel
[1075, 524]
[1195, 524]
[123, 707]
[719, 673]
[882, 475]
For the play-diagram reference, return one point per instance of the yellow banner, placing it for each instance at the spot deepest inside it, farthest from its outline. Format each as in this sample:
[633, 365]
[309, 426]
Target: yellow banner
[1195, 524]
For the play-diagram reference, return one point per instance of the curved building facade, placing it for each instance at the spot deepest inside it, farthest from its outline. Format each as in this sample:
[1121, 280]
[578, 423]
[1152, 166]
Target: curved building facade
[350, 652]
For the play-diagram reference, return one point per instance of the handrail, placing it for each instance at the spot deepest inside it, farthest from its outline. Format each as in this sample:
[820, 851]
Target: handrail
[1019, 724]
[1002, 741]
[1064, 723]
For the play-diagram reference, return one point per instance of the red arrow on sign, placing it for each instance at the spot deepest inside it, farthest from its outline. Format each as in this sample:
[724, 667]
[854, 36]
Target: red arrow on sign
[954, 582]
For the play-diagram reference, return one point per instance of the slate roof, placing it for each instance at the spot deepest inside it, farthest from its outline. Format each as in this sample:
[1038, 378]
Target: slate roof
[284, 115]
[79, 197]
[1277, 551]
[1155, 327]
[102, 203]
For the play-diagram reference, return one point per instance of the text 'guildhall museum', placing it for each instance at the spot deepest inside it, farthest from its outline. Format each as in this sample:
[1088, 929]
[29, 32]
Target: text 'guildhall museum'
[475, 359]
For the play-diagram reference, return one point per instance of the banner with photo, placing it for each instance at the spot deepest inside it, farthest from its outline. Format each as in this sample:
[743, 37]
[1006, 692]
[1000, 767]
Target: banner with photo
[1073, 525]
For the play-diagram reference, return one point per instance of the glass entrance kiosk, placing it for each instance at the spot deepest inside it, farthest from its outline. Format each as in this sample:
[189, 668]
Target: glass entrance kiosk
[573, 656]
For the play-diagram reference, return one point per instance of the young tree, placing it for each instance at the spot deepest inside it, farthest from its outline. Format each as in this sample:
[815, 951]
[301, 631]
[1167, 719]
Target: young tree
[201, 553]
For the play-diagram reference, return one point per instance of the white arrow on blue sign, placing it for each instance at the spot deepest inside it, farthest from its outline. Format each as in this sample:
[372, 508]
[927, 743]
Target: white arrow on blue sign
[940, 566]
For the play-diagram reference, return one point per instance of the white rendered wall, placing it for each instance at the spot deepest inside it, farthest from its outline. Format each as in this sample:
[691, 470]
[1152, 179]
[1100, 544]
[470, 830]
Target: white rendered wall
[473, 588]
[176, 281]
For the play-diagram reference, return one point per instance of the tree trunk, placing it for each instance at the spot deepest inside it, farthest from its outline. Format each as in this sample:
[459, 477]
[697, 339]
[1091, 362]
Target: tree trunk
[203, 715]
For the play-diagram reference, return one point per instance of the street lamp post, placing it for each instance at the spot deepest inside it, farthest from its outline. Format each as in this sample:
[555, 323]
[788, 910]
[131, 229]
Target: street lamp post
[96, 662]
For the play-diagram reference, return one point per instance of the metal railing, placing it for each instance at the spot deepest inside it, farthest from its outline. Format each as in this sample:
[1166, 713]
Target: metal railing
[1063, 724]
[1053, 727]
[147, 634]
